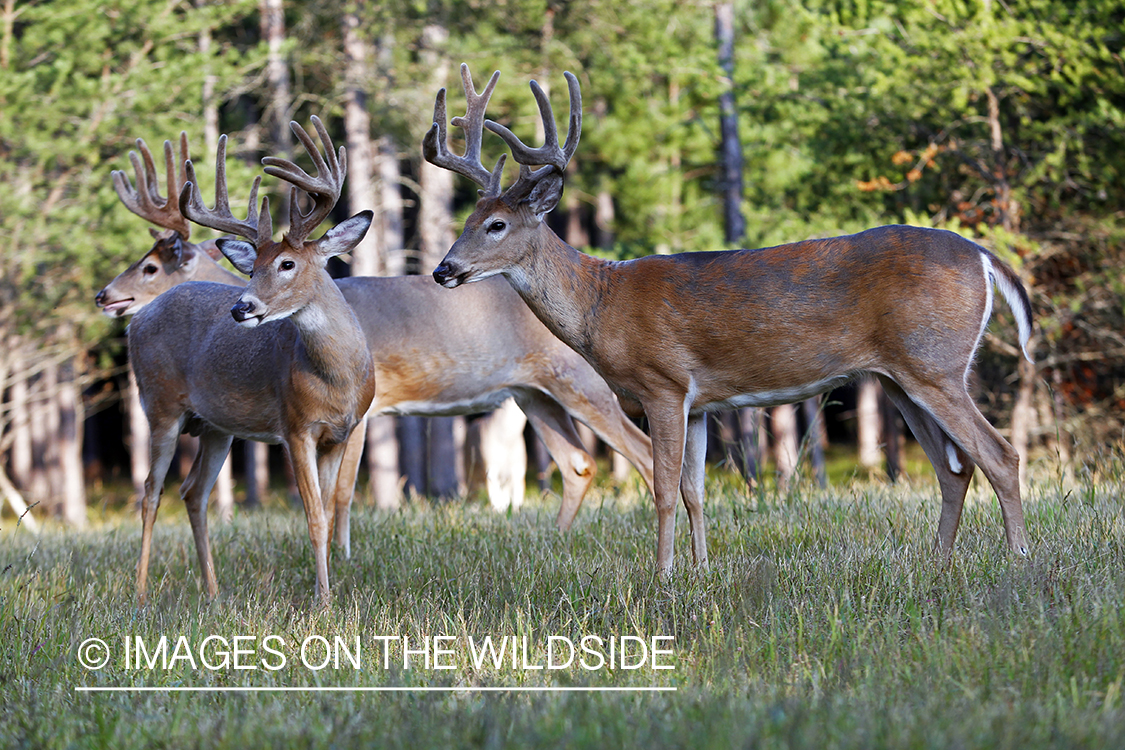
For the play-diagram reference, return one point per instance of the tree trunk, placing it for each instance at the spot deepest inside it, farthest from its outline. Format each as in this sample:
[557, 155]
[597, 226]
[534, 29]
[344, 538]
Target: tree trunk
[20, 425]
[256, 460]
[752, 436]
[893, 440]
[369, 257]
[783, 420]
[138, 440]
[435, 218]
[869, 424]
[816, 439]
[71, 474]
[412, 453]
[44, 428]
[277, 110]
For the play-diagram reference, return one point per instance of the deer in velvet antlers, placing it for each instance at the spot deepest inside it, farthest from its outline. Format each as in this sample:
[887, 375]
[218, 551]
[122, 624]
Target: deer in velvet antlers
[435, 353]
[292, 367]
[681, 335]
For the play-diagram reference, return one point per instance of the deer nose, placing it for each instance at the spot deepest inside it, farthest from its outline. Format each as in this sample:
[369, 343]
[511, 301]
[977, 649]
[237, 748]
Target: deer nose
[242, 310]
[442, 272]
[99, 299]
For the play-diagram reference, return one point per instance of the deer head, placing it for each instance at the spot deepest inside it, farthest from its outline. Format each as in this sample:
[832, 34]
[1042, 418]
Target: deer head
[502, 225]
[286, 276]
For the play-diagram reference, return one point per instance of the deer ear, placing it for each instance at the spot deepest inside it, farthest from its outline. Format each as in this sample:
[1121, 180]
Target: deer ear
[242, 254]
[345, 235]
[545, 195]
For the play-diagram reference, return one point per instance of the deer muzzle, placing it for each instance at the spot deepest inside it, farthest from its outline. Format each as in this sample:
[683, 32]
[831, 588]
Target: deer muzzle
[245, 313]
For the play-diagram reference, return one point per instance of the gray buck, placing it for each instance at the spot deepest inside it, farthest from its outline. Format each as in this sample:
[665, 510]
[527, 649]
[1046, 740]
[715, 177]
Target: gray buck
[681, 335]
[292, 367]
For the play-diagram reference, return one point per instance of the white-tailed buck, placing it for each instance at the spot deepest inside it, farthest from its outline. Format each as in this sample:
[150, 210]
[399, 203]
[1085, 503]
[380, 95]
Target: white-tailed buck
[684, 334]
[435, 353]
[173, 259]
[292, 367]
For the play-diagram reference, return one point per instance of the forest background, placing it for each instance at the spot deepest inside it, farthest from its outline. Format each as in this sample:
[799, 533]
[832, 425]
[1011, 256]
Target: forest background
[1003, 121]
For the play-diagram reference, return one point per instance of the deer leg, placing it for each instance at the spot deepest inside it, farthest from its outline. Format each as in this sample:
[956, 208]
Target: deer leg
[162, 447]
[589, 399]
[668, 423]
[556, 429]
[196, 490]
[691, 485]
[952, 465]
[345, 489]
[954, 410]
[303, 454]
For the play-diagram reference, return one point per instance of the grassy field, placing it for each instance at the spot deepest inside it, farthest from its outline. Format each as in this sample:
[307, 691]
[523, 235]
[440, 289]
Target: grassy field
[822, 622]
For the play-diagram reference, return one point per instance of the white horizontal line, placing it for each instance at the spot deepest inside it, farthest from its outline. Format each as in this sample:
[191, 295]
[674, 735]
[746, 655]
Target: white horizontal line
[338, 689]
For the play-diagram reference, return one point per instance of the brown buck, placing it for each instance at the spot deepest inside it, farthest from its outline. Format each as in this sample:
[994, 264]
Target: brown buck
[292, 367]
[684, 334]
[435, 353]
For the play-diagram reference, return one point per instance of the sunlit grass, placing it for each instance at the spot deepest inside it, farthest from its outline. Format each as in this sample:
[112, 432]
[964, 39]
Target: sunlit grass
[823, 621]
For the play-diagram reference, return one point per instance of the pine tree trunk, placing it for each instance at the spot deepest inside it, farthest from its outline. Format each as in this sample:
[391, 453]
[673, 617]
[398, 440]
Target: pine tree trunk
[783, 421]
[435, 218]
[869, 424]
[816, 439]
[71, 474]
[138, 439]
[893, 439]
[20, 425]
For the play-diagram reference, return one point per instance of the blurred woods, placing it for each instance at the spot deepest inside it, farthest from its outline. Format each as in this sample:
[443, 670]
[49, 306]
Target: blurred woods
[1002, 121]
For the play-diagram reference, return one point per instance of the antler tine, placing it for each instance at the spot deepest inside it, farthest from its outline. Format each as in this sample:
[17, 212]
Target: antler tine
[256, 227]
[549, 153]
[325, 188]
[436, 148]
[145, 200]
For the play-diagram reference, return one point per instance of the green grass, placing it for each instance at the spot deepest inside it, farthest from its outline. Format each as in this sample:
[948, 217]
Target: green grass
[822, 622]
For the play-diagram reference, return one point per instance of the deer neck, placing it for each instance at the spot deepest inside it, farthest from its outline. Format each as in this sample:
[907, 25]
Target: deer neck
[562, 286]
[331, 337]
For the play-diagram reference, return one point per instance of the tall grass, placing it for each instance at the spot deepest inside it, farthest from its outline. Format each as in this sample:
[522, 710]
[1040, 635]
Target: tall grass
[823, 621]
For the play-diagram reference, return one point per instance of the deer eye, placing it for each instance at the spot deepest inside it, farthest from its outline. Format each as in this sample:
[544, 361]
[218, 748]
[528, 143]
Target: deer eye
[150, 269]
[496, 226]
[287, 265]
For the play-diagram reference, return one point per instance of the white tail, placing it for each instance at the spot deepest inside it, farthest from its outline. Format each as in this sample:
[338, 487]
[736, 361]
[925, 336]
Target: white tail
[685, 334]
[296, 371]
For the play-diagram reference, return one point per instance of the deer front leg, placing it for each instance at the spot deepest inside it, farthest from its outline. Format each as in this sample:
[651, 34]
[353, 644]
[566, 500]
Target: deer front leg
[303, 455]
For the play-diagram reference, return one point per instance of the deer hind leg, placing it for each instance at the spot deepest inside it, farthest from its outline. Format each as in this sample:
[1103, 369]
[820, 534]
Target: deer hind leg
[162, 447]
[951, 406]
[589, 399]
[306, 468]
[952, 465]
[340, 521]
[556, 429]
[691, 485]
[196, 490]
[668, 423]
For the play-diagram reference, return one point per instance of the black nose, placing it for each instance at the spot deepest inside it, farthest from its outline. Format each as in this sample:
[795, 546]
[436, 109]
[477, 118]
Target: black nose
[99, 300]
[442, 273]
[242, 310]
